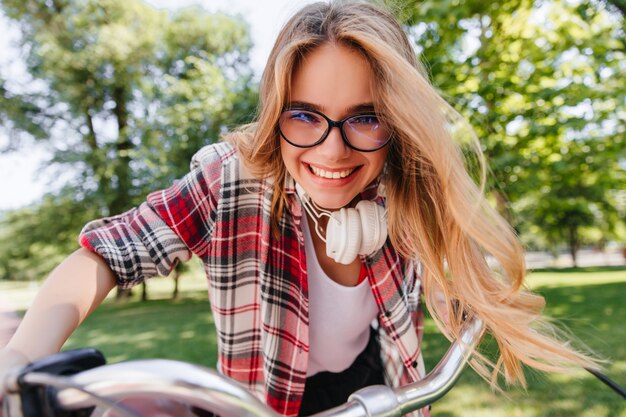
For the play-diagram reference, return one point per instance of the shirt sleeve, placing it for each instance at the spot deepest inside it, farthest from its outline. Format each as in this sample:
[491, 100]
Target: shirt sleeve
[152, 238]
[136, 245]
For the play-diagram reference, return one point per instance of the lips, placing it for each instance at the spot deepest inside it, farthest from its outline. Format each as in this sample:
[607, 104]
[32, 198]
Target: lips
[336, 174]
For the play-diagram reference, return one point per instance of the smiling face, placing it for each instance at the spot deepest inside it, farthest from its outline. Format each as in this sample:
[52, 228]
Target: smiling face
[335, 81]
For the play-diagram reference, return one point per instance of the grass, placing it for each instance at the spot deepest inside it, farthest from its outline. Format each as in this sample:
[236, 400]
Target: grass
[590, 302]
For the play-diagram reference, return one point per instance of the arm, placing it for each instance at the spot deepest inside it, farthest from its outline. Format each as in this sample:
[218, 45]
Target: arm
[71, 292]
[135, 245]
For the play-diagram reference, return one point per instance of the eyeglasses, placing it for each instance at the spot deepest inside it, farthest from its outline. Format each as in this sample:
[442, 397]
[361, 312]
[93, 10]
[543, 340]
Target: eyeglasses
[307, 128]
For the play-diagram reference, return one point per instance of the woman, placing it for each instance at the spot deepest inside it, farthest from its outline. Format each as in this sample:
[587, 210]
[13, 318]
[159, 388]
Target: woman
[308, 308]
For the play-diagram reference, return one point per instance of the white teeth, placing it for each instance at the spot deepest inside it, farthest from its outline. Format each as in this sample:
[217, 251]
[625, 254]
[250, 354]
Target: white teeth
[331, 175]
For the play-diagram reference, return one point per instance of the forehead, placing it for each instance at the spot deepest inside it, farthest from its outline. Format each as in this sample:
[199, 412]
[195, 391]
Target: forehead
[334, 78]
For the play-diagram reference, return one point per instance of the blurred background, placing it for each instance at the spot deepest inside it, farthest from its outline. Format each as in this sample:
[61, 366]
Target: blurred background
[104, 101]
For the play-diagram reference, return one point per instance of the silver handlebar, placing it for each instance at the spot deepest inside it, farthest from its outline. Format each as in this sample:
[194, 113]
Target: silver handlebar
[382, 401]
[161, 379]
[205, 388]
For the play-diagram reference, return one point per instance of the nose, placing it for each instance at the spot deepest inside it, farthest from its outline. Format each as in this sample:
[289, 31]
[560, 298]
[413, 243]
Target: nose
[333, 147]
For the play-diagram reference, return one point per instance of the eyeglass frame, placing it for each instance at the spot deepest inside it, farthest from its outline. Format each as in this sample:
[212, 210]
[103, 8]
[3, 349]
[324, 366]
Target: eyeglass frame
[331, 123]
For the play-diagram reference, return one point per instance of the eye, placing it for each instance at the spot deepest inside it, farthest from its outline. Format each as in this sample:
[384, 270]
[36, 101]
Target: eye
[364, 120]
[303, 116]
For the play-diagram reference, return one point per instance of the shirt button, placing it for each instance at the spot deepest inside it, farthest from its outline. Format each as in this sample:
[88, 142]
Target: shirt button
[414, 364]
[387, 313]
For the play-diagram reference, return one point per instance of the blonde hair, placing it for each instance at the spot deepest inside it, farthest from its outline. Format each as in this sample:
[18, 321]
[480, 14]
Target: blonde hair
[437, 213]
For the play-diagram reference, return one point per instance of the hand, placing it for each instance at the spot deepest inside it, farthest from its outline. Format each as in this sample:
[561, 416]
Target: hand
[9, 358]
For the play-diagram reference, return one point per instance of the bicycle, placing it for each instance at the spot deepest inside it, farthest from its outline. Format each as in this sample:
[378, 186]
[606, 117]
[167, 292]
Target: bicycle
[74, 383]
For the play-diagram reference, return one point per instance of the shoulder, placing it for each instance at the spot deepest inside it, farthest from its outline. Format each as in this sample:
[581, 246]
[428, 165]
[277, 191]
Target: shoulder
[221, 158]
[220, 152]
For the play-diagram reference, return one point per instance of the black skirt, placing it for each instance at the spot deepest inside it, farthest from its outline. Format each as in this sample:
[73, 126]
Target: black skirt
[326, 390]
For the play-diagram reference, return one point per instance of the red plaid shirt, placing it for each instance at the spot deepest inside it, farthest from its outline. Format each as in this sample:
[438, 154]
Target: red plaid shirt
[257, 284]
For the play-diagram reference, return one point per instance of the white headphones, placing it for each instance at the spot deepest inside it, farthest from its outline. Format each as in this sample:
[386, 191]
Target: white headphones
[350, 231]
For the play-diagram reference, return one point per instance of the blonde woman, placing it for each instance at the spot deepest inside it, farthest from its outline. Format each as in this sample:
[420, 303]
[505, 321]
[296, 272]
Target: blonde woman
[319, 227]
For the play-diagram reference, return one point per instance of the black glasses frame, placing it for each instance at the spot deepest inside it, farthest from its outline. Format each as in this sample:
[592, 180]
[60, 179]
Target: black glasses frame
[332, 123]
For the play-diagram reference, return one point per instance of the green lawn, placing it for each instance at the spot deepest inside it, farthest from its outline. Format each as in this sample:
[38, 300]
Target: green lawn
[591, 302]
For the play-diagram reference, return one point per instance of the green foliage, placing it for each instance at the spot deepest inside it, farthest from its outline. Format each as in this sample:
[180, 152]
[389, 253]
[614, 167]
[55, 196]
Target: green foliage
[544, 85]
[33, 240]
[124, 95]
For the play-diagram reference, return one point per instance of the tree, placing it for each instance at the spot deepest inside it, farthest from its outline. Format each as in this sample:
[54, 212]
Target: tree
[538, 80]
[576, 197]
[123, 94]
[34, 239]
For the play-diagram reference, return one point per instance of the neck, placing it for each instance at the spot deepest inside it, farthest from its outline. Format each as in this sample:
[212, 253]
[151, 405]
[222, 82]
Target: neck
[318, 216]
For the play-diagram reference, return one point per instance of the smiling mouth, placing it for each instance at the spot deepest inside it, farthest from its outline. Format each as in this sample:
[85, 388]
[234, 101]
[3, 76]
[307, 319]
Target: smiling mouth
[318, 172]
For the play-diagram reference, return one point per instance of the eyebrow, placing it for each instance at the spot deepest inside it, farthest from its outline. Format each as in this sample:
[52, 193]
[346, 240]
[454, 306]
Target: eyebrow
[358, 108]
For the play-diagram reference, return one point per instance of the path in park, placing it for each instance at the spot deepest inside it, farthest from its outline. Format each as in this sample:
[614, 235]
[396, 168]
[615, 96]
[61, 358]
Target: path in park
[8, 320]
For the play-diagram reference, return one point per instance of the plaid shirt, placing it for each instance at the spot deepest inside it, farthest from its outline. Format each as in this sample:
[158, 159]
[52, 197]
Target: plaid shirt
[257, 284]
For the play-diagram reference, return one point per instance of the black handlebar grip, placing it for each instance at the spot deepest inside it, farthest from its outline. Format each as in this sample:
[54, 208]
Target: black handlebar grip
[40, 401]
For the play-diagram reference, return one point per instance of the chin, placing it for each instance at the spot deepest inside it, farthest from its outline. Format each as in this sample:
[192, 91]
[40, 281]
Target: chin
[332, 203]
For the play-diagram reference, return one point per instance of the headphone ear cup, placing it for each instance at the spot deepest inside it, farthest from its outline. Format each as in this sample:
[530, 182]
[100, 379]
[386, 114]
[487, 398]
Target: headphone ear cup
[373, 226]
[343, 236]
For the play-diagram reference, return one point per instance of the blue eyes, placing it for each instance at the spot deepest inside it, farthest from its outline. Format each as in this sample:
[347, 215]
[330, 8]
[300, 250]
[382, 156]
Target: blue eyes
[363, 120]
[304, 116]
[308, 117]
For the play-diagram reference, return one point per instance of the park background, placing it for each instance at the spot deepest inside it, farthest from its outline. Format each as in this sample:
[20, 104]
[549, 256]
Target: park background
[115, 96]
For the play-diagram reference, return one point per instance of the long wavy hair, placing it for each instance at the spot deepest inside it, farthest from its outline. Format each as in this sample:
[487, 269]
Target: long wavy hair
[437, 213]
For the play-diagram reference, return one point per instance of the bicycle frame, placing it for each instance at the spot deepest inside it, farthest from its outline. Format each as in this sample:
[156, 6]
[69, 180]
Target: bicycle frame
[205, 388]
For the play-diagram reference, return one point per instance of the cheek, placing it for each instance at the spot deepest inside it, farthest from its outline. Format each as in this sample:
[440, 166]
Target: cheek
[378, 160]
[284, 153]
[290, 156]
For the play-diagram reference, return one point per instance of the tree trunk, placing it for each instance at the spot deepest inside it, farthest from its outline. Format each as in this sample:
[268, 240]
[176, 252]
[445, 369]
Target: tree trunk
[123, 148]
[122, 294]
[121, 183]
[573, 244]
[176, 279]
[96, 159]
[144, 291]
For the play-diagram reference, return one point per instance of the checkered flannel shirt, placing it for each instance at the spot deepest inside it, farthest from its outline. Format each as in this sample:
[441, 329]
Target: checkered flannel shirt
[257, 284]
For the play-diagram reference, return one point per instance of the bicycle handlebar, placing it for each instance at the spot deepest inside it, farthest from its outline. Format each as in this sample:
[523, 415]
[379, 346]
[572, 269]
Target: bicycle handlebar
[205, 388]
[383, 401]
[160, 378]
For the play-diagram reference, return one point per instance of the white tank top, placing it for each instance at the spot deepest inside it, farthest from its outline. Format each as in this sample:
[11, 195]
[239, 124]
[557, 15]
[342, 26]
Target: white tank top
[339, 316]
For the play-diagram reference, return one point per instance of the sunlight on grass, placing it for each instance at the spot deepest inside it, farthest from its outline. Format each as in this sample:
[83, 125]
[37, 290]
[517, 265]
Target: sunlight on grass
[559, 279]
[596, 411]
